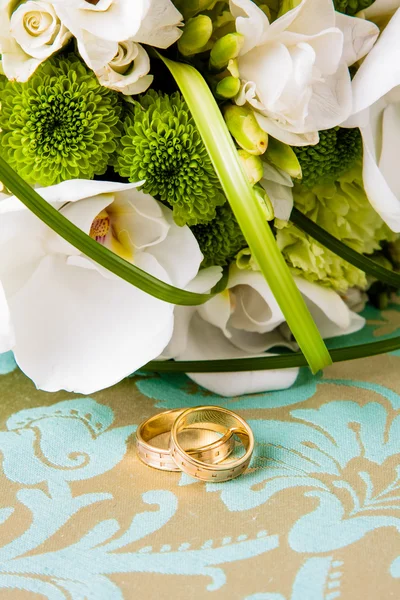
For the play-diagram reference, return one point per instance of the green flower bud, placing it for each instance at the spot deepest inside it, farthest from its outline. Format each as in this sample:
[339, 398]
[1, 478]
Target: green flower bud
[252, 165]
[228, 87]
[225, 49]
[190, 8]
[282, 156]
[195, 36]
[264, 202]
[243, 126]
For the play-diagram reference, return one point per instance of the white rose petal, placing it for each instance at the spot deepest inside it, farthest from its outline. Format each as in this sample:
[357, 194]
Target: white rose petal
[29, 35]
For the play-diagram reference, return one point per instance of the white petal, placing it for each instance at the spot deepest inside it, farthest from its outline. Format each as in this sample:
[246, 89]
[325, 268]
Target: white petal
[205, 280]
[159, 27]
[179, 253]
[331, 102]
[389, 159]
[76, 330]
[77, 189]
[382, 198]
[96, 51]
[251, 22]
[270, 67]
[380, 8]
[278, 186]
[330, 313]
[7, 338]
[359, 37]
[380, 71]
[284, 135]
[207, 343]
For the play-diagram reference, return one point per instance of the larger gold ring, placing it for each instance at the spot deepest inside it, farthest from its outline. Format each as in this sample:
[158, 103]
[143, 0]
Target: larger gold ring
[213, 415]
[160, 457]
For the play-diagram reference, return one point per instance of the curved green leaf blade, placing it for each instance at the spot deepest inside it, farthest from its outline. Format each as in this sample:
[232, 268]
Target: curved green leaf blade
[248, 211]
[283, 361]
[355, 258]
[101, 255]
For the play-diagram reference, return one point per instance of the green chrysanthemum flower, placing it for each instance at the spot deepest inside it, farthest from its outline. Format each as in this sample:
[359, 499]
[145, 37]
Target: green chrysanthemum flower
[342, 209]
[162, 146]
[337, 151]
[59, 125]
[351, 7]
[221, 239]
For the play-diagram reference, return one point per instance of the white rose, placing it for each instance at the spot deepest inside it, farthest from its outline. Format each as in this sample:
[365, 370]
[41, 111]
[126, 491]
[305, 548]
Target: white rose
[376, 92]
[72, 324]
[294, 71]
[245, 321]
[29, 34]
[98, 25]
[128, 70]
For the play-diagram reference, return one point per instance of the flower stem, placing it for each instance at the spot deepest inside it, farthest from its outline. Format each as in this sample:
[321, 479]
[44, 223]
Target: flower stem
[248, 212]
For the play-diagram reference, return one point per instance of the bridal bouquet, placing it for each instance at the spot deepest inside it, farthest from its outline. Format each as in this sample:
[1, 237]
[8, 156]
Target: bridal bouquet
[195, 185]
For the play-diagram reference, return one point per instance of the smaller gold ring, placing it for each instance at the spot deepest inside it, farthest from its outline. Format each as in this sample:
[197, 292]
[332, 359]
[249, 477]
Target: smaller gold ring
[160, 458]
[213, 415]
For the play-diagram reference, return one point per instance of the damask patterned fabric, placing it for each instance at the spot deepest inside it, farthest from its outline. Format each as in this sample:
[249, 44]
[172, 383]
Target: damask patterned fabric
[316, 517]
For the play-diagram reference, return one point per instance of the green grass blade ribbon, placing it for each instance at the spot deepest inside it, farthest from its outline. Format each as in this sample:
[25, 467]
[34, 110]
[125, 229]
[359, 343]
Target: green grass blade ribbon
[358, 260]
[248, 212]
[101, 255]
[266, 363]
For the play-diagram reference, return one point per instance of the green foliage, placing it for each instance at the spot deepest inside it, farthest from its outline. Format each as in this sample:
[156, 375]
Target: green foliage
[342, 209]
[337, 151]
[351, 7]
[59, 125]
[221, 239]
[162, 145]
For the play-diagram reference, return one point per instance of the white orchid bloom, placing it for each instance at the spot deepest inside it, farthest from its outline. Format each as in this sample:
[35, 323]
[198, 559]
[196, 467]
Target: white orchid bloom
[245, 321]
[30, 32]
[376, 92]
[100, 26]
[76, 326]
[294, 71]
[128, 71]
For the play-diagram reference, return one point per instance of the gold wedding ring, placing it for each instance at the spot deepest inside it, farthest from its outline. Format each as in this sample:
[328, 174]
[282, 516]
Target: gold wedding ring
[212, 416]
[196, 439]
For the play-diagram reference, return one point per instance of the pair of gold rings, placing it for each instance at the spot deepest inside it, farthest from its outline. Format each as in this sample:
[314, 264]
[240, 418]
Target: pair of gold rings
[198, 441]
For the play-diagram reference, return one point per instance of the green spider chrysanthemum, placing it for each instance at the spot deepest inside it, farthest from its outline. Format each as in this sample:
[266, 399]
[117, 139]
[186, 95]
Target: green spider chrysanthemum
[351, 7]
[337, 151]
[221, 239]
[162, 146]
[59, 125]
[341, 208]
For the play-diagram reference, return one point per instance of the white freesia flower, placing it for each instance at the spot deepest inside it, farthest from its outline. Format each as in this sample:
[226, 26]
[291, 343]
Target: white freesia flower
[294, 71]
[30, 32]
[75, 325]
[376, 92]
[100, 26]
[244, 321]
[128, 71]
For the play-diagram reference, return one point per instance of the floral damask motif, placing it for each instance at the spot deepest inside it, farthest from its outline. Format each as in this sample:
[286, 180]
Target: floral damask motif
[344, 478]
[74, 441]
